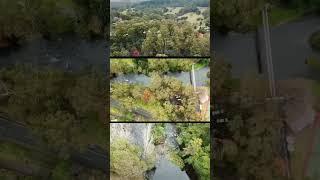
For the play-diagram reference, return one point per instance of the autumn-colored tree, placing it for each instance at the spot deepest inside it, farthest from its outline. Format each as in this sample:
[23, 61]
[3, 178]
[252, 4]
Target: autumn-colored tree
[146, 95]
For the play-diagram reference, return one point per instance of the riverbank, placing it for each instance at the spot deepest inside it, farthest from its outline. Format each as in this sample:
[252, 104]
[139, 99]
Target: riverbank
[165, 165]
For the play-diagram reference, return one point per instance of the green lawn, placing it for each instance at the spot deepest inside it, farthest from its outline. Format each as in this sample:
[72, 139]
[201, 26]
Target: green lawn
[279, 15]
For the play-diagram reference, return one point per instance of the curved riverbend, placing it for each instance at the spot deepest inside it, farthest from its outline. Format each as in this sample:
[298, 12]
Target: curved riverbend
[201, 77]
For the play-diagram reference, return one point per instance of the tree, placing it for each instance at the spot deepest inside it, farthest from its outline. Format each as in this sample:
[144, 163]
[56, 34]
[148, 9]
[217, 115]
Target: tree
[252, 142]
[56, 105]
[194, 140]
[222, 80]
[126, 161]
[158, 133]
[235, 14]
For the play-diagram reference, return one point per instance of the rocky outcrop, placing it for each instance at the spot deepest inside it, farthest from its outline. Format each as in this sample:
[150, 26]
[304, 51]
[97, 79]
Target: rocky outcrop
[138, 134]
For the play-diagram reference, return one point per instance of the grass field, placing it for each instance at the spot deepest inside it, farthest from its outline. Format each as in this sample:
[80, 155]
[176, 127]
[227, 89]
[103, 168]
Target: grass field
[280, 15]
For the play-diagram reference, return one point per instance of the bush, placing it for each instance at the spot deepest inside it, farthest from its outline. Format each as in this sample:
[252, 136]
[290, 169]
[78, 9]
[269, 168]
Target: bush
[158, 133]
[176, 159]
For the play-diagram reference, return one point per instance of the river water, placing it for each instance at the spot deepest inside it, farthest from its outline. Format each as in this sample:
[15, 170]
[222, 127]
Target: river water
[164, 168]
[290, 48]
[200, 74]
[67, 52]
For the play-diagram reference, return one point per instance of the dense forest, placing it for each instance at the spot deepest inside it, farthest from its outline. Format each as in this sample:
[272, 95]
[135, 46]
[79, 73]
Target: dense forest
[194, 149]
[248, 146]
[63, 110]
[161, 31]
[187, 146]
[23, 19]
[154, 65]
[163, 97]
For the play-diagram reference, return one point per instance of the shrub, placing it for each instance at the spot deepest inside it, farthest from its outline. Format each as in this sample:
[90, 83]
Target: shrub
[176, 159]
[158, 133]
[126, 159]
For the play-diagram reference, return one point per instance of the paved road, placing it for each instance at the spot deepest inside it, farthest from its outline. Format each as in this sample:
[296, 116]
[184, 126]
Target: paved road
[239, 50]
[290, 48]
[93, 157]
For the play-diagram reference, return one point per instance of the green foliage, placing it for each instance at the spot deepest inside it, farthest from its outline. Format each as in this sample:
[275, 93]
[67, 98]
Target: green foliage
[148, 66]
[126, 161]
[176, 159]
[250, 146]
[235, 14]
[58, 106]
[165, 89]
[122, 66]
[158, 133]
[161, 101]
[195, 142]
[21, 18]
[62, 171]
[199, 157]
[152, 33]
[222, 79]
[245, 15]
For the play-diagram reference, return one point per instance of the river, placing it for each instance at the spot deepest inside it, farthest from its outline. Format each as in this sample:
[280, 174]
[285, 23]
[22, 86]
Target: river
[165, 169]
[290, 48]
[68, 52]
[140, 134]
[200, 74]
